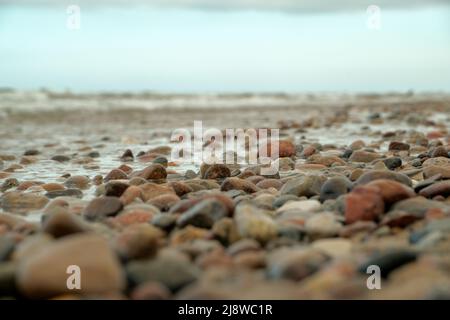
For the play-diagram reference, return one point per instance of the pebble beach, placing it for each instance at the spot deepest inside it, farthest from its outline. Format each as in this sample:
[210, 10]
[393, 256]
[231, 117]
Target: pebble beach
[88, 181]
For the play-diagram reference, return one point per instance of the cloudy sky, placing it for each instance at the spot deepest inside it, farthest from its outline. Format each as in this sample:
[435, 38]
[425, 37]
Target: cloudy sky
[229, 45]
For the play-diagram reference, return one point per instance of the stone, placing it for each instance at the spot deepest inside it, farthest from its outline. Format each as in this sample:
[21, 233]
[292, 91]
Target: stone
[130, 194]
[388, 261]
[432, 170]
[285, 149]
[438, 152]
[363, 204]
[234, 183]
[294, 264]
[400, 219]
[418, 205]
[391, 191]
[438, 188]
[76, 193]
[383, 174]
[102, 207]
[62, 223]
[127, 156]
[164, 202]
[203, 215]
[398, 146]
[78, 182]
[8, 184]
[115, 188]
[300, 206]
[19, 202]
[281, 200]
[334, 247]
[60, 158]
[180, 188]
[322, 225]
[393, 163]
[115, 174]
[253, 223]
[363, 156]
[152, 172]
[270, 183]
[303, 186]
[335, 187]
[44, 274]
[217, 171]
[327, 161]
[138, 241]
[152, 190]
[172, 269]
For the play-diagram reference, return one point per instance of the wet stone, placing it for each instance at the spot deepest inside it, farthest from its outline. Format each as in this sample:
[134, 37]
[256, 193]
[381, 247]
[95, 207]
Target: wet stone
[102, 207]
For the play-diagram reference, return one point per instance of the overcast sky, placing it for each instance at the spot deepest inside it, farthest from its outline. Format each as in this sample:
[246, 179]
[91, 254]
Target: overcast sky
[233, 45]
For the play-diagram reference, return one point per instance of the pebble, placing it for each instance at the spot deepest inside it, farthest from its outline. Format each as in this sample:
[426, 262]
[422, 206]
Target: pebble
[44, 274]
[23, 203]
[300, 206]
[170, 268]
[323, 225]
[294, 264]
[391, 191]
[334, 248]
[217, 171]
[363, 156]
[252, 223]
[77, 182]
[204, 214]
[383, 174]
[335, 187]
[62, 223]
[307, 186]
[77, 193]
[398, 146]
[102, 207]
[138, 241]
[152, 172]
[115, 174]
[389, 261]
[439, 188]
[363, 204]
[234, 183]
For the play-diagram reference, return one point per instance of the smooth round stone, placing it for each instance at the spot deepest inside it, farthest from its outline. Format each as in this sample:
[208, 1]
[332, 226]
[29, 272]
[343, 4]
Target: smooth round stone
[44, 274]
[294, 264]
[61, 223]
[76, 193]
[164, 202]
[391, 191]
[363, 156]
[363, 204]
[115, 188]
[164, 221]
[138, 241]
[203, 214]
[335, 187]
[254, 223]
[418, 205]
[432, 170]
[300, 206]
[389, 261]
[398, 146]
[172, 269]
[102, 207]
[78, 182]
[19, 202]
[234, 183]
[162, 161]
[438, 188]
[383, 174]
[303, 186]
[217, 171]
[152, 172]
[393, 163]
[281, 200]
[270, 183]
[333, 247]
[322, 225]
[115, 174]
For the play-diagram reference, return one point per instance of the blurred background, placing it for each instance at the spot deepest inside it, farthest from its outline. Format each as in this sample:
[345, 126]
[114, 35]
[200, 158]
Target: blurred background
[225, 45]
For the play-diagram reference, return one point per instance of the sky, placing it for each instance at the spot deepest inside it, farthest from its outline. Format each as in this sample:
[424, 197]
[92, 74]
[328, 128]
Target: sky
[226, 46]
